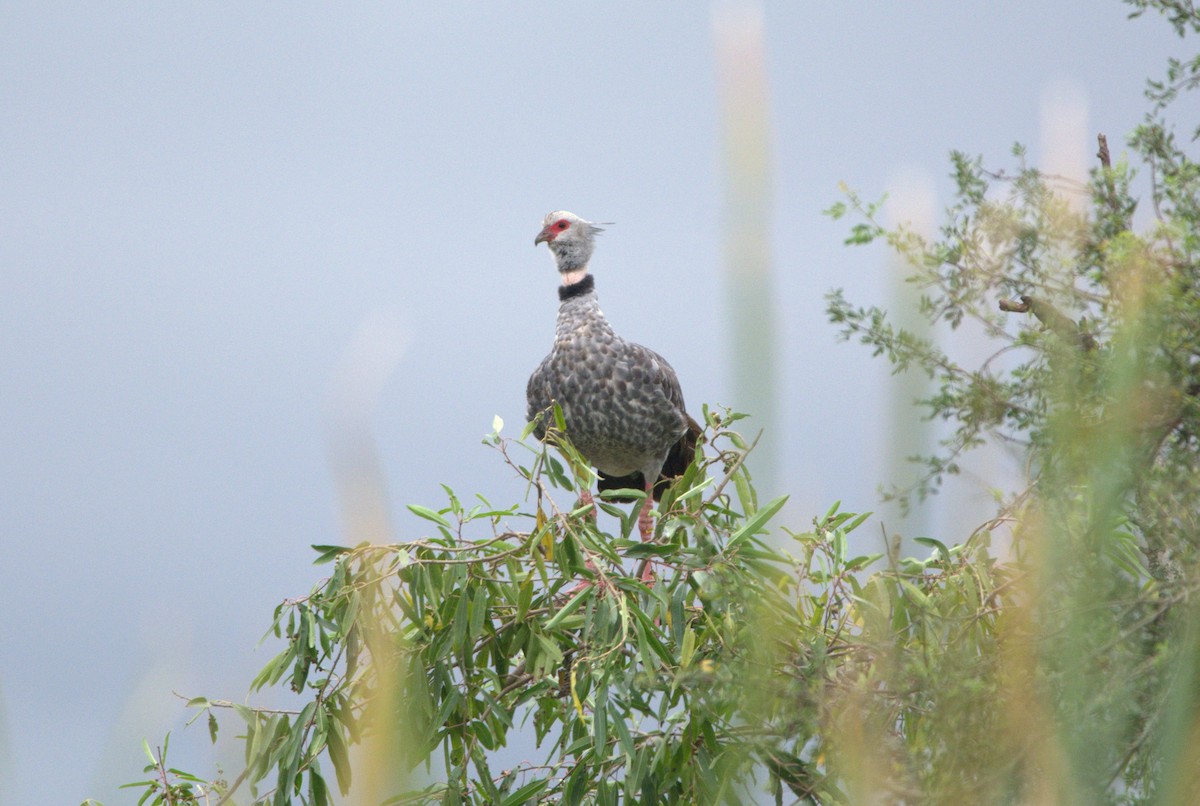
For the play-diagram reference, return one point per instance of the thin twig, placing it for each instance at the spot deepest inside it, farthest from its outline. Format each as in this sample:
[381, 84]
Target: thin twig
[230, 704]
[162, 772]
[716, 493]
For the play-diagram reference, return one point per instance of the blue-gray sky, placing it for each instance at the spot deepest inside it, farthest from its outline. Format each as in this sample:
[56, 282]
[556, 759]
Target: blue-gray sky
[201, 203]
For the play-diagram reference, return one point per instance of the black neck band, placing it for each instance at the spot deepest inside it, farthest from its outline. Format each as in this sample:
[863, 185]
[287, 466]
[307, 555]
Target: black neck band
[566, 292]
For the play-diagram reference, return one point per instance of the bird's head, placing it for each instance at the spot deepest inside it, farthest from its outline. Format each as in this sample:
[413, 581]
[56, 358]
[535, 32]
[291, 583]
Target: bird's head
[570, 238]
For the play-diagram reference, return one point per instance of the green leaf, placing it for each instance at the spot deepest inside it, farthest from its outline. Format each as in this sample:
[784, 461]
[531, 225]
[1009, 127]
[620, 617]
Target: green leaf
[524, 599]
[339, 753]
[688, 649]
[527, 793]
[133, 784]
[831, 511]
[862, 561]
[918, 596]
[756, 523]
[600, 726]
[637, 551]
[428, 514]
[459, 622]
[624, 737]
[479, 611]
[531, 426]
[570, 607]
[857, 522]
[577, 786]
[649, 646]
[328, 553]
[937, 544]
[318, 792]
[835, 210]
[484, 778]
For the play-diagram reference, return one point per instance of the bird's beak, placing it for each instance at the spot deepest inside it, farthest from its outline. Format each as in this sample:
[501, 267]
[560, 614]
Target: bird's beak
[544, 235]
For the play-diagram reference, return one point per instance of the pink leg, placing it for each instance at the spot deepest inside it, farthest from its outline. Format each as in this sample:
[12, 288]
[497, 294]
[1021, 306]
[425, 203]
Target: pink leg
[585, 498]
[583, 584]
[646, 529]
[645, 521]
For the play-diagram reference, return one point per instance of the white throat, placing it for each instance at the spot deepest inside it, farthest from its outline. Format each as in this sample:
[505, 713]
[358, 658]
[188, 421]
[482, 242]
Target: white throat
[573, 277]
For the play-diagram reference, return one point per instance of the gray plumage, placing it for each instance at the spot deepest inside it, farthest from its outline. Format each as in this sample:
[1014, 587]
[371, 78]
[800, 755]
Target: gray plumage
[621, 402]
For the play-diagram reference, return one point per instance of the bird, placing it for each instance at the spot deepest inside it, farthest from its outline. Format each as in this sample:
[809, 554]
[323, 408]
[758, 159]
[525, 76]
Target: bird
[621, 403]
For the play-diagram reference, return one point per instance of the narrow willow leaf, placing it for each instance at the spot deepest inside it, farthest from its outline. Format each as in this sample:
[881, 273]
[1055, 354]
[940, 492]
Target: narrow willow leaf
[936, 544]
[524, 598]
[831, 511]
[526, 794]
[459, 623]
[577, 786]
[676, 619]
[479, 611]
[428, 514]
[623, 736]
[318, 792]
[862, 561]
[570, 607]
[575, 694]
[688, 649]
[857, 522]
[485, 775]
[746, 496]
[696, 490]
[600, 726]
[918, 596]
[756, 523]
[636, 551]
[328, 553]
[837, 542]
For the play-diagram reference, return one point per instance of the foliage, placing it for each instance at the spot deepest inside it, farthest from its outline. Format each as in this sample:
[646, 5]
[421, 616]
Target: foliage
[435, 652]
[1095, 374]
[743, 667]
[1062, 666]
[1114, 311]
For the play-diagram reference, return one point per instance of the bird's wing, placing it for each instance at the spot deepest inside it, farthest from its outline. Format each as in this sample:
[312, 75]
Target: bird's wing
[659, 382]
[537, 397]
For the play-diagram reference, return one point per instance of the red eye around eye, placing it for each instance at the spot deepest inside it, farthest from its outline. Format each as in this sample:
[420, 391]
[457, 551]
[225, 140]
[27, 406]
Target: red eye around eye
[562, 224]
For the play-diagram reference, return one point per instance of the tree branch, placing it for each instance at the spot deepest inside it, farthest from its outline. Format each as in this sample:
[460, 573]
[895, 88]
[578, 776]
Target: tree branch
[1110, 188]
[1055, 320]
